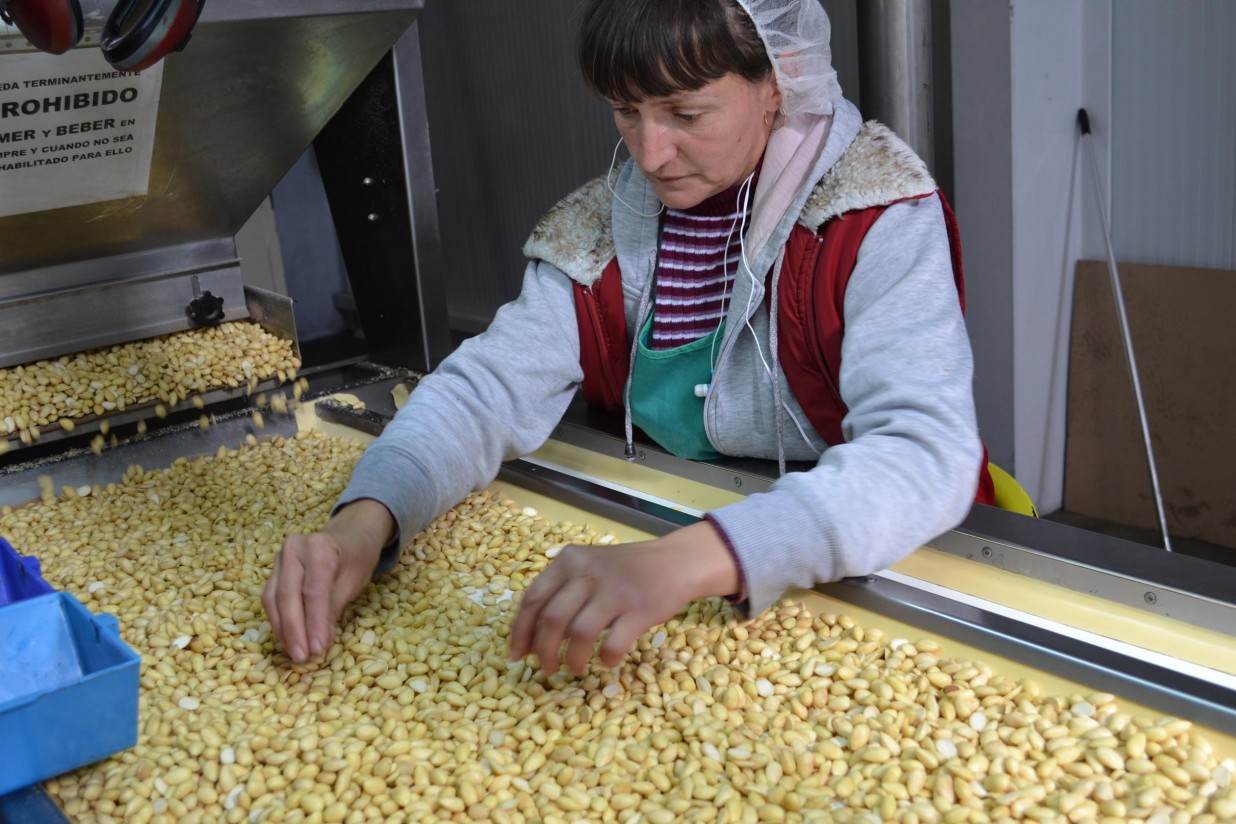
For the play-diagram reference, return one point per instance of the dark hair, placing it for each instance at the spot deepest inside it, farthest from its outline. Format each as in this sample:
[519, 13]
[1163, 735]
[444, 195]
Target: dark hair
[631, 50]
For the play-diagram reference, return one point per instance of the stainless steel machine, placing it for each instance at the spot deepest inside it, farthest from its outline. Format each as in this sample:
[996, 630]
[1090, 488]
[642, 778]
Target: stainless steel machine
[262, 81]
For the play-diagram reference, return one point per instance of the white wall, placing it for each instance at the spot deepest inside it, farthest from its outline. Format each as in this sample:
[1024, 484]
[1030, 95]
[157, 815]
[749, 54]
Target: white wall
[1060, 52]
[1021, 71]
[1174, 133]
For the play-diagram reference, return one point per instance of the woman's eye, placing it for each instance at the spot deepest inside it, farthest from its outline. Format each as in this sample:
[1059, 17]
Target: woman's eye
[623, 112]
[685, 117]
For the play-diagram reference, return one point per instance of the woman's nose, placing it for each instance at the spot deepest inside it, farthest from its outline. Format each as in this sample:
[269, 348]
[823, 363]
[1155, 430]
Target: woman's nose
[656, 146]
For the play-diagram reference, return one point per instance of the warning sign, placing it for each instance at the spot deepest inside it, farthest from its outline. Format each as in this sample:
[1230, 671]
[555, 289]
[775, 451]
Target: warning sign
[73, 130]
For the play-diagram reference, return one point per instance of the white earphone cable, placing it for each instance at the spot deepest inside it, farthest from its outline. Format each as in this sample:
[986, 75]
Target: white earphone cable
[744, 263]
[608, 175]
[745, 201]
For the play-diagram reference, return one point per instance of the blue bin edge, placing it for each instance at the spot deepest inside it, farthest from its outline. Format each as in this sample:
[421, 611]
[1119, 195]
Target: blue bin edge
[20, 576]
[68, 726]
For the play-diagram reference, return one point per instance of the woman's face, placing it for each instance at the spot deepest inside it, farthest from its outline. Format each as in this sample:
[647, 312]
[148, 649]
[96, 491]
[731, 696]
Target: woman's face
[692, 145]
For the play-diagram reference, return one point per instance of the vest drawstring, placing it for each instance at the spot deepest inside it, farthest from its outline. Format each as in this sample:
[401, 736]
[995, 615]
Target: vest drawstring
[776, 366]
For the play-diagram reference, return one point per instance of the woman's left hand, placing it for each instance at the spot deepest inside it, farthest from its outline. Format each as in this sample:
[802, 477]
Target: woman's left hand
[625, 588]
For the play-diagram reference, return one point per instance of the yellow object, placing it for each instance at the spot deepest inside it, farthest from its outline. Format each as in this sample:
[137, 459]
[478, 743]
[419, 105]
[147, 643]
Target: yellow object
[1010, 495]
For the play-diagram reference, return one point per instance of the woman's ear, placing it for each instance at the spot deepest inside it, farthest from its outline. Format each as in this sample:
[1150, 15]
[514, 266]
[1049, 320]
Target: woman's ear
[773, 105]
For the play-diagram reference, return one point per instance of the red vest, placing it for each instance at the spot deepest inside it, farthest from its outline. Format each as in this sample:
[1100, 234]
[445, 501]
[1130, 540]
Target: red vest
[810, 318]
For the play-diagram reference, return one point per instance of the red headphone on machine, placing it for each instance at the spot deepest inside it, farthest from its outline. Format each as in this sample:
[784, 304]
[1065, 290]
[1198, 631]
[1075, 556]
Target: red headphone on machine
[137, 34]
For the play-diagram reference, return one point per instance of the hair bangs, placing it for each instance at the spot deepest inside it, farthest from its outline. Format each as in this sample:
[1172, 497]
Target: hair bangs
[632, 50]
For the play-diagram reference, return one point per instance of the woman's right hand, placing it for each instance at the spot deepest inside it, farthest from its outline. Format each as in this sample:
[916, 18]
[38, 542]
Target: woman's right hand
[317, 575]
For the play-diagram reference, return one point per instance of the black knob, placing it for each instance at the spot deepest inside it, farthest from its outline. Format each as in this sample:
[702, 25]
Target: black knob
[205, 309]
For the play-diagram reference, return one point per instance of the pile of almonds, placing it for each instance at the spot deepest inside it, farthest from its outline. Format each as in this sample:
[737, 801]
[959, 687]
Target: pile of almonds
[167, 369]
[416, 715]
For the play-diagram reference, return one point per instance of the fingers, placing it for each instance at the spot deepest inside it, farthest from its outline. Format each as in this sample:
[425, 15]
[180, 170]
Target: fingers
[578, 596]
[289, 601]
[270, 601]
[299, 597]
[559, 606]
[539, 592]
[577, 615]
[622, 634]
[554, 620]
[584, 630]
[320, 613]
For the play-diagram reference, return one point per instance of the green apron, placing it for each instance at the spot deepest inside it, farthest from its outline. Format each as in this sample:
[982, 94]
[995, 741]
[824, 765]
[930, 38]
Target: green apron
[663, 401]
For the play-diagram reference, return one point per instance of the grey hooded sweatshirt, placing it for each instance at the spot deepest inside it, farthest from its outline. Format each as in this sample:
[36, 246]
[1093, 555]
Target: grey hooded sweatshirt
[908, 470]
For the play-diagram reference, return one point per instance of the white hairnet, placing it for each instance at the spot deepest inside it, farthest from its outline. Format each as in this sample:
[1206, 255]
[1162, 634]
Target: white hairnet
[796, 35]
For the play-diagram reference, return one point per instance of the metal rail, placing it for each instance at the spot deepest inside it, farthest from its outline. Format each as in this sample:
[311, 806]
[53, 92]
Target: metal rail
[1193, 590]
[1160, 687]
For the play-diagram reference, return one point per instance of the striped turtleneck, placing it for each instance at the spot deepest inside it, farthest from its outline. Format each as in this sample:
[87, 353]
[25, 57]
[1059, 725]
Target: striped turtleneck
[700, 249]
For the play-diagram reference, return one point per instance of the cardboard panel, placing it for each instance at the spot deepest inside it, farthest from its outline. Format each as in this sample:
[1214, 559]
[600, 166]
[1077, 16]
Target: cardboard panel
[1183, 325]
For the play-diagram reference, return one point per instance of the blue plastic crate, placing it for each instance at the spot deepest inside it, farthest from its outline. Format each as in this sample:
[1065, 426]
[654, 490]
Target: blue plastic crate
[19, 576]
[68, 695]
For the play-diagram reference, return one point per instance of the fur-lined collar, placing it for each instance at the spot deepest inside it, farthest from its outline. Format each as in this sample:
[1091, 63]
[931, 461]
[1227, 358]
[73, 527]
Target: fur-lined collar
[575, 235]
[877, 169]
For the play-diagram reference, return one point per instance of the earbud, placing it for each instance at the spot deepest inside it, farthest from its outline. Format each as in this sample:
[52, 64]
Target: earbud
[701, 389]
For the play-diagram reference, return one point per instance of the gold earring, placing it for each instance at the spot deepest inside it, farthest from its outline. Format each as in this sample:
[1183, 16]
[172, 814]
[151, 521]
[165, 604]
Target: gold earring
[765, 118]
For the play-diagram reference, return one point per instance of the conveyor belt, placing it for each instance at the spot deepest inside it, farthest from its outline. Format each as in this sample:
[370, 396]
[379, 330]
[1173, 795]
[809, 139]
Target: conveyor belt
[1164, 689]
[1152, 684]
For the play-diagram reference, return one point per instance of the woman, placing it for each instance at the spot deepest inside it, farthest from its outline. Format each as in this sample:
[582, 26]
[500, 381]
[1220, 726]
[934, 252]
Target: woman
[788, 279]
